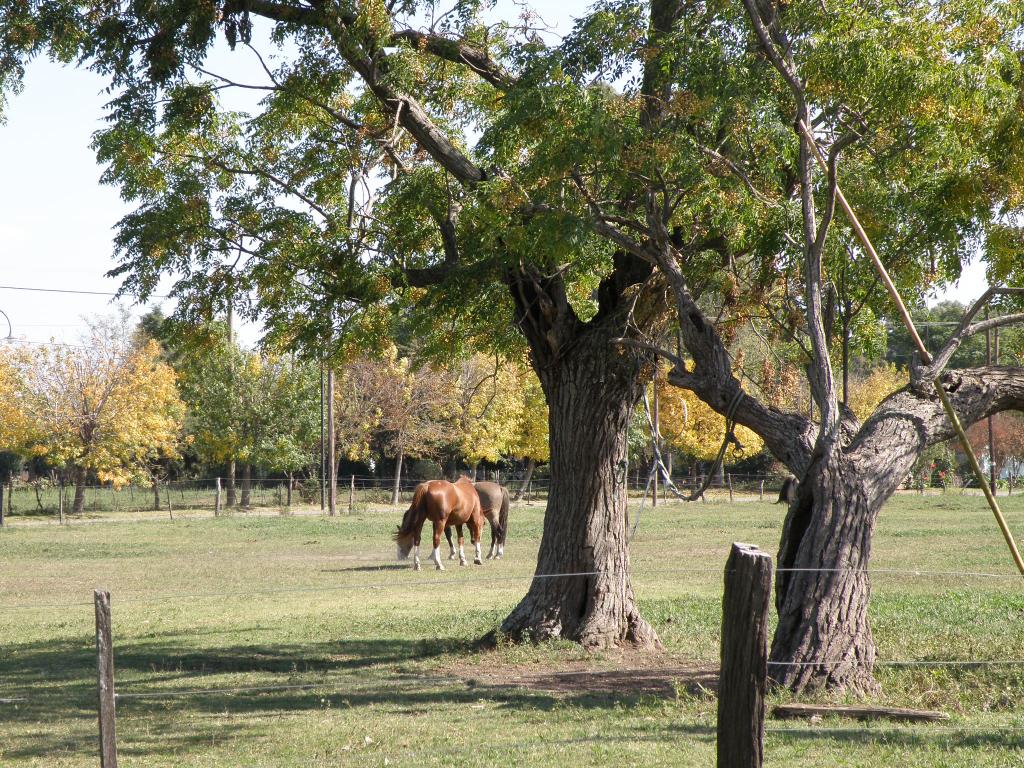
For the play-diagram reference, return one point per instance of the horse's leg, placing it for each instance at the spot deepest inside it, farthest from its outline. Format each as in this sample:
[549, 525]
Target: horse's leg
[494, 537]
[451, 547]
[475, 529]
[462, 551]
[416, 550]
[436, 554]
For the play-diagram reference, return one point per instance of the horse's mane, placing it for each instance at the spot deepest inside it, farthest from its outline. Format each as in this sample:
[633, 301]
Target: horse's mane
[409, 518]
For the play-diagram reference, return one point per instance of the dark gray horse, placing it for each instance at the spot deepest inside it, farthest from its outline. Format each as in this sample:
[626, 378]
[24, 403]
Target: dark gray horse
[494, 502]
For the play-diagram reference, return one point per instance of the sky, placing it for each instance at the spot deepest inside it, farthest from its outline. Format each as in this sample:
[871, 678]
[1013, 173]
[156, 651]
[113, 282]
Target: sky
[57, 221]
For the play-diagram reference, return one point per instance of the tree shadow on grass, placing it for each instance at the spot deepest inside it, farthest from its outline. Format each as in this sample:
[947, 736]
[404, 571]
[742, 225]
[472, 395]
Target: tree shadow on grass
[905, 737]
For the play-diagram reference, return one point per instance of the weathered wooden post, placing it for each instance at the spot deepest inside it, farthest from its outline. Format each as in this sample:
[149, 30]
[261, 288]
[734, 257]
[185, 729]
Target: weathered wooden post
[351, 493]
[105, 680]
[760, 491]
[216, 500]
[60, 504]
[744, 672]
[170, 511]
[729, 480]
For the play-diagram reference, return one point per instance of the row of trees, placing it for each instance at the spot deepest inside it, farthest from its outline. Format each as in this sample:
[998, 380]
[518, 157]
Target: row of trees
[130, 405]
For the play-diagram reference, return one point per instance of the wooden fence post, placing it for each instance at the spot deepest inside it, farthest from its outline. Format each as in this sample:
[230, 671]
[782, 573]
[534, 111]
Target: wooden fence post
[729, 480]
[351, 493]
[744, 671]
[60, 504]
[169, 510]
[760, 491]
[105, 680]
[216, 500]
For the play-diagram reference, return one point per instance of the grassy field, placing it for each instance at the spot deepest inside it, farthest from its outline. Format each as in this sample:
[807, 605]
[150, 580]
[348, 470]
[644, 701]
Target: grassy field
[383, 667]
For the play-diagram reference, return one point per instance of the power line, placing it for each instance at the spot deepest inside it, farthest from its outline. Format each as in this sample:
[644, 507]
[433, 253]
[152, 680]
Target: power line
[68, 290]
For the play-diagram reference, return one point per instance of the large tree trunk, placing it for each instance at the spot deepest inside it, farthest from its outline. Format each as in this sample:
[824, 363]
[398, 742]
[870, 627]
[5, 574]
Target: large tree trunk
[591, 390]
[79, 504]
[824, 553]
[530, 466]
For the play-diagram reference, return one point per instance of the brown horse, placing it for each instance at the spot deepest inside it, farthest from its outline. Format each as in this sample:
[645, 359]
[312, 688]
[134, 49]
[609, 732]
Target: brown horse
[494, 503]
[443, 503]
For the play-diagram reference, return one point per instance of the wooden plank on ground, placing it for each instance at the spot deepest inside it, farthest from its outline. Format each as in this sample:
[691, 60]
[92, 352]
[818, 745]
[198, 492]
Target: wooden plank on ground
[791, 711]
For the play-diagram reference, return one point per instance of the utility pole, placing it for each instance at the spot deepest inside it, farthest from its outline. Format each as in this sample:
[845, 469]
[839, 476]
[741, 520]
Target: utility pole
[991, 431]
[332, 456]
[232, 498]
[323, 446]
[657, 437]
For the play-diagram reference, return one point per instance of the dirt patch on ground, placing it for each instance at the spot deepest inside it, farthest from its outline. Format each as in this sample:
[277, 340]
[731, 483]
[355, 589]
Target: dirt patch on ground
[628, 674]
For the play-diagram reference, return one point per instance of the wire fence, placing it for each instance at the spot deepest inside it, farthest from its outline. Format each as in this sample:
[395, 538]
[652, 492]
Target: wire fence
[45, 498]
[325, 686]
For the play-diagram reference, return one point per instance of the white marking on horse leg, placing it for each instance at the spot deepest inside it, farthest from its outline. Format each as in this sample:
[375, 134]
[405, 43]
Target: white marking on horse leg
[416, 557]
[451, 555]
[462, 555]
[436, 557]
[492, 550]
[477, 559]
[501, 551]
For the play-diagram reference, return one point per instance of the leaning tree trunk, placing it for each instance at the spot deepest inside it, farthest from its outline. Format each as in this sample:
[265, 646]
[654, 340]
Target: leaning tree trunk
[79, 504]
[826, 641]
[591, 392]
[530, 466]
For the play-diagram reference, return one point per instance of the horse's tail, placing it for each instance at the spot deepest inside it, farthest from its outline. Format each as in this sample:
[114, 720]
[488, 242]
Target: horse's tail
[412, 514]
[503, 516]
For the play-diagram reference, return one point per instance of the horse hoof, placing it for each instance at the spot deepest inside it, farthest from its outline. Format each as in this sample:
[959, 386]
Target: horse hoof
[478, 561]
[451, 556]
[490, 556]
[440, 567]
[462, 562]
[416, 567]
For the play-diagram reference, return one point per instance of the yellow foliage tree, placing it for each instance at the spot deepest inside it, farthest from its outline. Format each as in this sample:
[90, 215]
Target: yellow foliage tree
[16, 428]
[491, 401]
[868, 390]
[531, 439]
[688, 425]
[108, 407]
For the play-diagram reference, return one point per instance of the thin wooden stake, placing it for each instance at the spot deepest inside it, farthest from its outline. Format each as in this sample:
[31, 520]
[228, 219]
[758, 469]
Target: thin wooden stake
[105, 680]
[743, 679]
[926, 358]
[60, 504]
[351, 494]
[760, 491]
[216, 500]
[729, 478]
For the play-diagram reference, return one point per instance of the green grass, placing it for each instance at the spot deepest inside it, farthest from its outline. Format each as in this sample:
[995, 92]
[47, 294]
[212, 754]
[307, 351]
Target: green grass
[304, 600]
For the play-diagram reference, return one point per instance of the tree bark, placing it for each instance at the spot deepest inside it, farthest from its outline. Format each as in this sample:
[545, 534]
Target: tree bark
[232, 499]
[822, 590]
[591, 388]
[530, 466]
[396, 489]
[156, 495]
[79, 504]
[246, 485]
